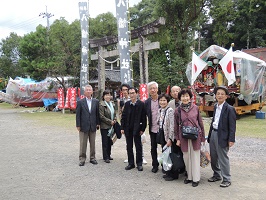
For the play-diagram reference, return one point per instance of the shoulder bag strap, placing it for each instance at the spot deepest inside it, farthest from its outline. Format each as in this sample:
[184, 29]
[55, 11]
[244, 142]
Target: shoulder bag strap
[180, 122]
[164, 116]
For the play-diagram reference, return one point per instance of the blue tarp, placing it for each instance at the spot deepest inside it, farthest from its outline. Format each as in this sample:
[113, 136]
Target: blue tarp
[48, 102]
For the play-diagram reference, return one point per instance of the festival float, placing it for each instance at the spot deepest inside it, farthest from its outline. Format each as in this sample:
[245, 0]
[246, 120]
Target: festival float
[243, 74]
[30, 93]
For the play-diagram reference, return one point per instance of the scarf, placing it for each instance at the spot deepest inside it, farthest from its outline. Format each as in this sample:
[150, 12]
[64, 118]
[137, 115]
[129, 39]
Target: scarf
[112, 110]
[186, 107]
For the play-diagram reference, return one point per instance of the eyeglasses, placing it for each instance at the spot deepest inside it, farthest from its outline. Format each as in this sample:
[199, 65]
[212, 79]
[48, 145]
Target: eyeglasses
[132, 93]
[124, 89]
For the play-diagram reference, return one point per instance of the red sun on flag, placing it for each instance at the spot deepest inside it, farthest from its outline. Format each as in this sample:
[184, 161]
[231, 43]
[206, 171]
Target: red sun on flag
[229, 67]
[195, 68]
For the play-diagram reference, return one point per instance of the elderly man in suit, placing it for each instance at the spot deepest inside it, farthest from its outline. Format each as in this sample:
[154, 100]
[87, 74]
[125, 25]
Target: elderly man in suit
[87, 121]
[133, 125]
[222, 137]
[152, 107]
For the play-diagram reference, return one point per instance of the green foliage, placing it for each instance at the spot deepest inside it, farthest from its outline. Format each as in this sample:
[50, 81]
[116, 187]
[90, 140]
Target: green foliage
[238, 21]
[9, 56]
[223, 15]
[34, 49]
[143, 13]
[103, 25]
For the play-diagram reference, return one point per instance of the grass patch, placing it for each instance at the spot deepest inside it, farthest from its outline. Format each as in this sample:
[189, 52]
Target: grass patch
[67, 120]
[247, 125]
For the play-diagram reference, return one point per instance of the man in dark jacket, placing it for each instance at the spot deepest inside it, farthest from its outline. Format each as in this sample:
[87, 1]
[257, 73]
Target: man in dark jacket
[222, 137]
[87, 121]
[133, 124]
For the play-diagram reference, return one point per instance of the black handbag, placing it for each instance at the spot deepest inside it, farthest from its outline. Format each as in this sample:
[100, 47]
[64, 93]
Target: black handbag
[117, 130]
[177, 159]
[160, 134]
[188, 132]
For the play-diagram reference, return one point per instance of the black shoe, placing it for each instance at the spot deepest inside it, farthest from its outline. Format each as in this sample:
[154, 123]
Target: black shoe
[129, 167]
[163, 171]
[195, 184]
[107, 161]
[94, 162]
[154, 169]
[186, 181]
[81, 163]
[111, 158]
[214, 179]
[140, 168]
[169, 178]
[165, 175]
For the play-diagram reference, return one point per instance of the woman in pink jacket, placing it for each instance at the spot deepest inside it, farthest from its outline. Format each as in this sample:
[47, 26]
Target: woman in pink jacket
[190, 116]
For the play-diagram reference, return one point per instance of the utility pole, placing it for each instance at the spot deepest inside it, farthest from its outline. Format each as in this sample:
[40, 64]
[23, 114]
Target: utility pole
[47, 15]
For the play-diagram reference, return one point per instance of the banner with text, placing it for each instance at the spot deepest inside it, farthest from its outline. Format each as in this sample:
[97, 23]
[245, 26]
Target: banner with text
[83, 13]
[123, 41]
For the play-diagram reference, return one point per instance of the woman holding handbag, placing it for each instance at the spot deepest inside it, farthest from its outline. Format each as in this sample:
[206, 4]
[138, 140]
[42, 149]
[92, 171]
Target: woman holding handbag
[189, 133]
[165, 121]
[108, 120]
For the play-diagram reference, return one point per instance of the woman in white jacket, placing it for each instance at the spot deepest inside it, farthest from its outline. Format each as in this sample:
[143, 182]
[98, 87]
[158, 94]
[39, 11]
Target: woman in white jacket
[165, 120]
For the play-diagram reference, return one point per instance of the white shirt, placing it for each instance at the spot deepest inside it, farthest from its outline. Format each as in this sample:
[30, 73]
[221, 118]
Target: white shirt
[89, 103]
[217, 116]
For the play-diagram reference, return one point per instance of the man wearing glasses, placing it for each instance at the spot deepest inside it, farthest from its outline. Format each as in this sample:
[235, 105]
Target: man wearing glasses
[133, 124]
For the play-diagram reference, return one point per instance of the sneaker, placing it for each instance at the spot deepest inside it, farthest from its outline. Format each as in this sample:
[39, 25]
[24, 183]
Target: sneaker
[144, 161]
[126, 161]
[225, 184]
[214, 179]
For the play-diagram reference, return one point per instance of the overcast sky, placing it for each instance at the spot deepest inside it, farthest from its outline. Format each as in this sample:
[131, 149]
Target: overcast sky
[22, 16]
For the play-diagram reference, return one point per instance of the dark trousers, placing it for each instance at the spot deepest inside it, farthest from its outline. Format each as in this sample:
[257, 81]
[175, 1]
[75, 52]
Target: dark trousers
[137, 140]
[154, 149]
[106, 144]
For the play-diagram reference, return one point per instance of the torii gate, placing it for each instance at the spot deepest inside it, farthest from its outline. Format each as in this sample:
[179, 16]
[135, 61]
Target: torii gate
[142, 47]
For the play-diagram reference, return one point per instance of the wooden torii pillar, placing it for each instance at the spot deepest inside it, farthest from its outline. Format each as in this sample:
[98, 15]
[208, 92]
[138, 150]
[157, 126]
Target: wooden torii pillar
[142, 47]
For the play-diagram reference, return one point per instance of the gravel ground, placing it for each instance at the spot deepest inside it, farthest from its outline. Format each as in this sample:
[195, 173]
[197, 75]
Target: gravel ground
[41, 162]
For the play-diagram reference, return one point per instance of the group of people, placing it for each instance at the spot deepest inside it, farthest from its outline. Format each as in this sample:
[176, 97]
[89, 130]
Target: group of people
[160, 114]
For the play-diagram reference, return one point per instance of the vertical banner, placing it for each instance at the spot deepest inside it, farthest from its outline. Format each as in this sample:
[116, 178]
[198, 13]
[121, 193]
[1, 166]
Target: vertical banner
[60, 97]
[72, 98]
[83, 13]
[123, 41]
[67, 105]
[143, 92]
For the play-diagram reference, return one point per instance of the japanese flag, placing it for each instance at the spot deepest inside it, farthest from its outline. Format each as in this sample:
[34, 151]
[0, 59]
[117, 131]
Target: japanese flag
[197, 66]
[228, 66]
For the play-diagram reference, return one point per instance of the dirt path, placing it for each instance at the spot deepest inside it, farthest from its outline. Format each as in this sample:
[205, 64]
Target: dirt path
[41, 162]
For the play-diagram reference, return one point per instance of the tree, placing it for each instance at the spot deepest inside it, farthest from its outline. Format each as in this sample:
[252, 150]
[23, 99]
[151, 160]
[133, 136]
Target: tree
[65, 50]
[34, 49]
[143, 13]
[9, 56]
[181, 18]
[103, 25]
[222, 15]
[249, 25]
